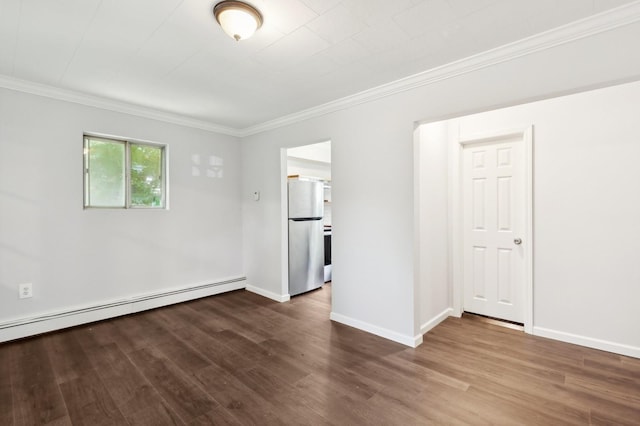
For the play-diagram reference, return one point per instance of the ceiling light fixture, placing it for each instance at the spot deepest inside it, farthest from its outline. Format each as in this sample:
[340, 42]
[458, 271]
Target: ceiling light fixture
[238, 19]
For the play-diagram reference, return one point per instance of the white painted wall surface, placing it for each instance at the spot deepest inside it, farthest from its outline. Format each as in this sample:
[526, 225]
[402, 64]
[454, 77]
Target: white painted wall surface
[77, 257]
[586, 210]
[370, 217]
[372, 172]
[308, 168]
[434, 290]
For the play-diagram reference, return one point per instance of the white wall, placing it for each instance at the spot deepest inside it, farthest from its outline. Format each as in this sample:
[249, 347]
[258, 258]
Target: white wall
[369, 216]
[308, 168]
[586, 213]
[77, 257]
[314, 152]
[432, 171]
[372, 173]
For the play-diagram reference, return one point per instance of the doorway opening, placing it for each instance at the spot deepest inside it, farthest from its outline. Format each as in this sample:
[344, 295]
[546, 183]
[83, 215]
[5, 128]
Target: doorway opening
[307, 220]
[475, 222]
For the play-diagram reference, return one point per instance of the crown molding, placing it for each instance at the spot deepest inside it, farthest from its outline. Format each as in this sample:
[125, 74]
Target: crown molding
[596, 24]
[73, 96]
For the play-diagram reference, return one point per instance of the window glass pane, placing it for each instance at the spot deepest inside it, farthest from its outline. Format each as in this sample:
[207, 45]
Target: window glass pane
[106, 174]
[146, 176]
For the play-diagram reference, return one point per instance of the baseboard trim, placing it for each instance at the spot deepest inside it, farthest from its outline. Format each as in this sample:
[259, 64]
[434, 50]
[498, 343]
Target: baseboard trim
[424, 328]
[411, 341]
[590, 342]
[268, 294]
[70, 317]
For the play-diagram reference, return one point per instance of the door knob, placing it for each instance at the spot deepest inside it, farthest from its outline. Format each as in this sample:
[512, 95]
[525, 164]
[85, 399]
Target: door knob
[517, 241]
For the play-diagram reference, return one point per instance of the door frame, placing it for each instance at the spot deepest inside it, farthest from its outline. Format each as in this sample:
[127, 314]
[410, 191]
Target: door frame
[457, 145]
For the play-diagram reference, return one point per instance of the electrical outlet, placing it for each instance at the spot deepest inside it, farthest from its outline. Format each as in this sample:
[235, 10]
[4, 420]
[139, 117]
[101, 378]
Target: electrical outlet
[25, 290]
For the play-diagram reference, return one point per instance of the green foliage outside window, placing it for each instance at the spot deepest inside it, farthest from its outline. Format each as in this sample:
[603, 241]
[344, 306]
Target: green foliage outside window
[106, 165]
[106, 174]
[146, 176]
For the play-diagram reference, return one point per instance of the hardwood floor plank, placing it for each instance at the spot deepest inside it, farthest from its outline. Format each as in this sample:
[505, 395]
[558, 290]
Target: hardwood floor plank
[138, 331]
[620, 369]
[153, 414]
[411, 371]
[89, 402]
[313, 351]
[214, 350]
[67, 357]
[610, 418]
[618, 389]
[282, 368]
[390, 410]
[342, 381]
[217, 417]
[459, 360]
[337, 408]
[6, 399]
[557, 403]
[134, 396]
[301, 354]
[628, 362]
[181, 315]
[238, 359]
[240, 344]
[245, 323]
[427, 409]
[271, 320]
[281, 395]
[238, 399]
[604, 407]
[181, 354]
[36, 395]
[392, 371]
[93, 337]
[181, 394]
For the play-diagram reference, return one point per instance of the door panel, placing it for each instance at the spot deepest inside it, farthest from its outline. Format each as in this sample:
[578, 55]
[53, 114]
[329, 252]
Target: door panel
[479, 203]
[493, 217]
[505, 278]
[479, 274]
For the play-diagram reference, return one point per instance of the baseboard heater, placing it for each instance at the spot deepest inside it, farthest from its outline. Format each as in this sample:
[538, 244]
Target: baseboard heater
[77, 316]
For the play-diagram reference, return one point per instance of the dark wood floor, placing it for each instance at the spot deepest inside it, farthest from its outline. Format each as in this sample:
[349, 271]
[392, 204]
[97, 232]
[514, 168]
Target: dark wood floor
[238, 358]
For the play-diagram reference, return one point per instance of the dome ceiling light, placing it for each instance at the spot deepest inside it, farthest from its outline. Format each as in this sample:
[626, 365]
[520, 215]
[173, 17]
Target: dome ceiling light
[238, 19]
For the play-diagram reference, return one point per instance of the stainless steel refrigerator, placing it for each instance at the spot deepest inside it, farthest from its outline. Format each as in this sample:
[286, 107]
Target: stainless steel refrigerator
[306, 236]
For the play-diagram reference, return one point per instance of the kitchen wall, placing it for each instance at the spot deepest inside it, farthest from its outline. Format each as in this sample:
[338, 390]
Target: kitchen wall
[309, 168]
[376, 279]
[77, 258]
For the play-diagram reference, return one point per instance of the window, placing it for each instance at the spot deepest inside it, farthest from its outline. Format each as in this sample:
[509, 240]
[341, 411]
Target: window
[123, 174]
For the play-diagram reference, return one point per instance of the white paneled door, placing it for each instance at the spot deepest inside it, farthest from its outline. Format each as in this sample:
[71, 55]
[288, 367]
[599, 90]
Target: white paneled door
[493, 185]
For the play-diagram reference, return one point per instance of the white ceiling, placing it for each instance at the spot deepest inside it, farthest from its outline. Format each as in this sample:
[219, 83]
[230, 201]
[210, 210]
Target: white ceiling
[172, 56]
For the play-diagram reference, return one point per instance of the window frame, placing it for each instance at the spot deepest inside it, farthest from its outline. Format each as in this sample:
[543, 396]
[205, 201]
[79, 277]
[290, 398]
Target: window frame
[127, 142]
